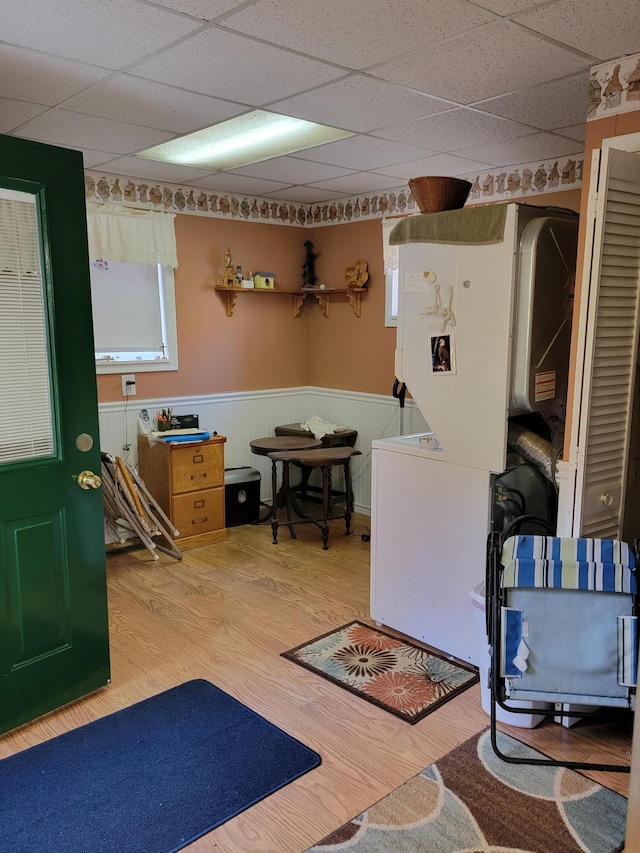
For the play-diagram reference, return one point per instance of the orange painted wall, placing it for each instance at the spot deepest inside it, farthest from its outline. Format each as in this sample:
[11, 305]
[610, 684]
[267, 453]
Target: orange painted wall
[348, 352]
[262, 345]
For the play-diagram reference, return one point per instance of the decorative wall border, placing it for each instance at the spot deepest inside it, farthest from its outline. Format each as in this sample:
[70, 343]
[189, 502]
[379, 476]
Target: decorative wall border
[614, 87]
[174, 198]
[530, 179]
[493, 185]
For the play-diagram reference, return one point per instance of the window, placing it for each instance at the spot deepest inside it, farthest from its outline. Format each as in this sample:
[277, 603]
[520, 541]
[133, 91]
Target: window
[390, 254]
[132, 254]
[134, 321]
[26, 409]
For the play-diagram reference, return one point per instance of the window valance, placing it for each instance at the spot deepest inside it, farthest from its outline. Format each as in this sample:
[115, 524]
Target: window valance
[391, 254]
[124, 235]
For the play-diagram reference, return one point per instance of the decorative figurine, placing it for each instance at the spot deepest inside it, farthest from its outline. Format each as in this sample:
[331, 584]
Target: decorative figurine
[227, 279]
[309, 269]
[357, 275]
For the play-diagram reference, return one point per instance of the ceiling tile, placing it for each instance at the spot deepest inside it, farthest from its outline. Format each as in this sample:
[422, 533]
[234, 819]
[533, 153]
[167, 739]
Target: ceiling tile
[306, 195]
[604, 30]
[361, 182]
[546, 106]
[93, 158]
[291, 170]
[225, 182]
[508, 7]
[229, 66]
[455, 129]
[575, 131]
[362, 152]
[154, 170]
[112, 33]
[359, 33]
[207, 10]
[62, 127]
[360, 103]
[524, 149]
[409, 78]
[496, 56]
[28, 75]
[14, 113]
[439, 164]
[145, 102]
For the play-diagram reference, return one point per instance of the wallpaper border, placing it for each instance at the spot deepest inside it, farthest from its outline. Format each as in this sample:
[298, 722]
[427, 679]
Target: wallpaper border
[499, 184]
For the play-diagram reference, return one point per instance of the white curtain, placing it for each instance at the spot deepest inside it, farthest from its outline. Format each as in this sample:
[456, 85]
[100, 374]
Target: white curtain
[390, 253]
[124, 235]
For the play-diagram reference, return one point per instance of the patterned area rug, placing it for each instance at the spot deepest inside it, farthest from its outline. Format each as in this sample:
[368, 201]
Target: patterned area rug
[471, 800]
[396, 675]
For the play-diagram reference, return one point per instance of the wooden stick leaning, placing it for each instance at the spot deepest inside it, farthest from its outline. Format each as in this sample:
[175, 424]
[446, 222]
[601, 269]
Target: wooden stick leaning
[125, 511]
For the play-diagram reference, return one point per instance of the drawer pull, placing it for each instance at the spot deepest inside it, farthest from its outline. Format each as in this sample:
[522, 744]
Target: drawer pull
[196, 476]
[198, 504]
[198, 458]
[200, 520]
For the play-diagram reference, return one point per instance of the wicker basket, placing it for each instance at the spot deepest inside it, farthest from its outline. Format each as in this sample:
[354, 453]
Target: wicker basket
[434, 193]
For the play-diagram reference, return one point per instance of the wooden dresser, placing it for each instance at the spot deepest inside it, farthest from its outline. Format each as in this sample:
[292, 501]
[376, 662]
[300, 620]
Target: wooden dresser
[187, 480]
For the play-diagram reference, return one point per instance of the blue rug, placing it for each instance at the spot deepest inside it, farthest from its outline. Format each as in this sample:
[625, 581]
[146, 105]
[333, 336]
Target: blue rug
[148, 779]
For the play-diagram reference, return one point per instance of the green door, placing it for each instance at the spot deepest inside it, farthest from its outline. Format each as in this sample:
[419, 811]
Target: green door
[53, 602]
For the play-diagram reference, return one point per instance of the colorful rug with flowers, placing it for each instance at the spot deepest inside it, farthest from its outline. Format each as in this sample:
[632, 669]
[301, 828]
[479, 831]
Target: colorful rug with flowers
[405, 679]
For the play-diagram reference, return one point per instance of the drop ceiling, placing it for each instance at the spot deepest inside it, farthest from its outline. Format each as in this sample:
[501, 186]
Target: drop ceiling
[427, 86]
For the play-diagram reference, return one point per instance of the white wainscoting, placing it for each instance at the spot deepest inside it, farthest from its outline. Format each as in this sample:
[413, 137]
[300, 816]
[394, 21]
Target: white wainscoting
[246, 415]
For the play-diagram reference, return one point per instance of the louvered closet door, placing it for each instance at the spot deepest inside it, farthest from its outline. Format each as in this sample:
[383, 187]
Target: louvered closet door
[611, 347]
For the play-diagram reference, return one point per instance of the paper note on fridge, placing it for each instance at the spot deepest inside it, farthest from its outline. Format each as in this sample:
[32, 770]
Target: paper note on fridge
[416, 282]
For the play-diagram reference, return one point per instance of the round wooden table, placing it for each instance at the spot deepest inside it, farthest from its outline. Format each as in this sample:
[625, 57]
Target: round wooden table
[275, 444]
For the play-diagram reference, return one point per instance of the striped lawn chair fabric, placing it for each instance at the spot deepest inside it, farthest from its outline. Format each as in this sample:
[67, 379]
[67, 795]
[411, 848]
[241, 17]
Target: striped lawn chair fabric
[551, 562]
[597, 565]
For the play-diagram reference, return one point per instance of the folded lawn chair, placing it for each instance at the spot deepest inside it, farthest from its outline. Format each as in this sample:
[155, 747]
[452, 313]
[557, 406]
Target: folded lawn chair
[562, 625]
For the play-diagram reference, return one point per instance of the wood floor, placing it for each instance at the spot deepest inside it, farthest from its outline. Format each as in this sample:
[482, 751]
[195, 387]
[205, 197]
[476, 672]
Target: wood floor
[225, 613]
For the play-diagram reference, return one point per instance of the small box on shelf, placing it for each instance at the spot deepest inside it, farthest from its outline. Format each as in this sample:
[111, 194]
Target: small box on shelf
[264, 280]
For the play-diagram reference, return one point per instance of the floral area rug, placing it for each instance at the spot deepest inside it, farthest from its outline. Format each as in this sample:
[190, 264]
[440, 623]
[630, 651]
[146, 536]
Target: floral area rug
[404, 679]
[470, 800]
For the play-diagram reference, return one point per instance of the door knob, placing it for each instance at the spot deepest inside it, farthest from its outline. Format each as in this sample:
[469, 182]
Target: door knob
[606, 499]
[89, 480]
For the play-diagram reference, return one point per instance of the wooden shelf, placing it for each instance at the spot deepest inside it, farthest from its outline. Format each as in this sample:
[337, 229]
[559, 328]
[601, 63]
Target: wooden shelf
[323, 297]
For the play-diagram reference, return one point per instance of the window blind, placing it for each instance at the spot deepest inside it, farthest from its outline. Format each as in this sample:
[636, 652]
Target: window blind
[26, 429]
[126, 308]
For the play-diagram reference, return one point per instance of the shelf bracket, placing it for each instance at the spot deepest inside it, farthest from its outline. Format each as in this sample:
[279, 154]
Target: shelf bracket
[323, 301]
[354, 298]
[298, 299]
[231, 298]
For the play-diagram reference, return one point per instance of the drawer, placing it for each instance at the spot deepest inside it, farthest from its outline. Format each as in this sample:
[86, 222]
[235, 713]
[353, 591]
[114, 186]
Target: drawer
[199, 512]
[194, 468]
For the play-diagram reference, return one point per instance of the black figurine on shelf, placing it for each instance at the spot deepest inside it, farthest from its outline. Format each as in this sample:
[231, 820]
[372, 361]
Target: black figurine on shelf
[309, 269]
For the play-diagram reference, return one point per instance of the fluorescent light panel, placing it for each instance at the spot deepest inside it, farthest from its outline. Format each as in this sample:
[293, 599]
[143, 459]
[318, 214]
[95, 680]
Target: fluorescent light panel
[246, 139]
